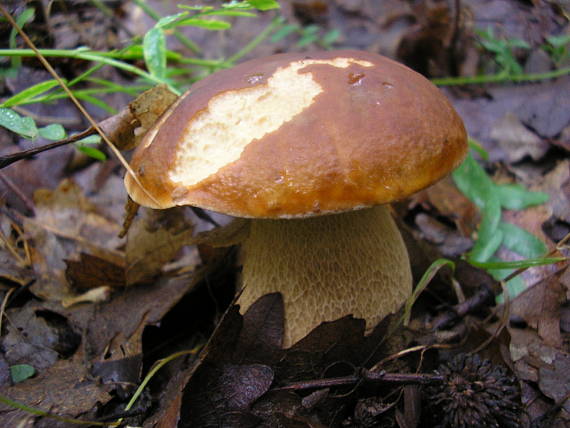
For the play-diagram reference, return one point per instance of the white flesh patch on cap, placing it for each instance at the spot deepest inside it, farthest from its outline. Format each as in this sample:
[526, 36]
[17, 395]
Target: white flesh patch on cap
[233, 119]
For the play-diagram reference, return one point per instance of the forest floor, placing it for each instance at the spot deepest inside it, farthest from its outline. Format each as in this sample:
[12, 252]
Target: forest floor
[141, 330]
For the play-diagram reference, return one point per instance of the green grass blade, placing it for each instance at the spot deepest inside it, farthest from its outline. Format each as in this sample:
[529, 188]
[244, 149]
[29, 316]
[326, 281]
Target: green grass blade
[518, 264]
[422, 284]
[29, 93]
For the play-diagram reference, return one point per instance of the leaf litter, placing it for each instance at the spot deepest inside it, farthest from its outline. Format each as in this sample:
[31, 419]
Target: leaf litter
[90, 356]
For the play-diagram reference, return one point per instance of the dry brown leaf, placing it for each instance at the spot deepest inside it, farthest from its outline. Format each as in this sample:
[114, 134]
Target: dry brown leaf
[92, 272]
[63, 389]
[153, 240]
[65, 225]
[530, 219]
[516, 140]
[540, 307]
[37, 337]
[446, 198]
[557, 184]
[148, 107]
[538, 351]
[67, 213]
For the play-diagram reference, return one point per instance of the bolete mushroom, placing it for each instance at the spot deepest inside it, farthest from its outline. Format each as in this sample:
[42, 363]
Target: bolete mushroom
[310, 147]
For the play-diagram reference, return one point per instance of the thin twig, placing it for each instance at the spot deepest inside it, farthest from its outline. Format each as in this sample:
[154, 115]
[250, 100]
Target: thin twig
[26, 154]
[3, 307]
[397, 355]
[16, 190]
[364, 375]
[470, 305]
[502, 322]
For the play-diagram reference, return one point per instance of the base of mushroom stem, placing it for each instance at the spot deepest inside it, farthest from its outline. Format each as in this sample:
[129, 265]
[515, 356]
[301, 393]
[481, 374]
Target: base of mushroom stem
[327, 267]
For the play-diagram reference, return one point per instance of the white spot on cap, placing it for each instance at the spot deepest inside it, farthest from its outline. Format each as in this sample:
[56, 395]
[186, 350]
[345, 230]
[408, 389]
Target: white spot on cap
[218, 135]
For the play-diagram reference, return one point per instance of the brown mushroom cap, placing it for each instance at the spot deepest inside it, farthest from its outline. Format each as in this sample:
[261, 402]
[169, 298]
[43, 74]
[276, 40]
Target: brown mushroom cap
[299, 135]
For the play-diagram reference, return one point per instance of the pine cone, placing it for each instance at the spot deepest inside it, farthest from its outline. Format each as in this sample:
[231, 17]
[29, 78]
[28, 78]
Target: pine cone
[474, 393]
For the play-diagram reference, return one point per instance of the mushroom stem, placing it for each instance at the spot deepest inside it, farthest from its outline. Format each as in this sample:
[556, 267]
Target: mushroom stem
[327, 267]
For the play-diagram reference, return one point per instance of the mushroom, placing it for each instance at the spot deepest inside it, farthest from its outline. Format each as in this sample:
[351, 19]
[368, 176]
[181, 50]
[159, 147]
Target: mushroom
[311, 148]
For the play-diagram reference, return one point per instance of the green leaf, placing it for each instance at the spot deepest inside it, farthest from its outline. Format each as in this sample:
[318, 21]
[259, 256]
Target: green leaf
[208, 24]
[24, 126]
[473, 181]
[478, 148]
[170, 21]
[489, 237]
[309, 35]
[494, 46]
[21, 372]
[516, 197]
[559, 41]
[198, 8]
[518, 43]
[515, 286]
[83, 146]
[154, 48]
[22, 19]
[91, 139]
[264, 4]
[30, 92]
[283, 32]
[229, 12]
[330, 37]
[53, 132]
[521, 241]
[484, 249]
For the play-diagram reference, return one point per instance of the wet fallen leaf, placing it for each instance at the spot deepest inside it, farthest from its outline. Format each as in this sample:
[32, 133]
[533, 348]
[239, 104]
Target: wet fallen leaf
[66, 224]
[11, 271]
[63, 389]
[540, 307]
[38, 337]
[92, 272]
[219, 385]
[439, 42]
[450, 202]
[557, 184]
[150, 105]
[527, 224]
[538, 350]
[262, 334]
[516, 140]
[449, 241]
[19, 182]
[532, 104]
[135, 307]
[14, 262]
[548, 111]
[154, 239]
